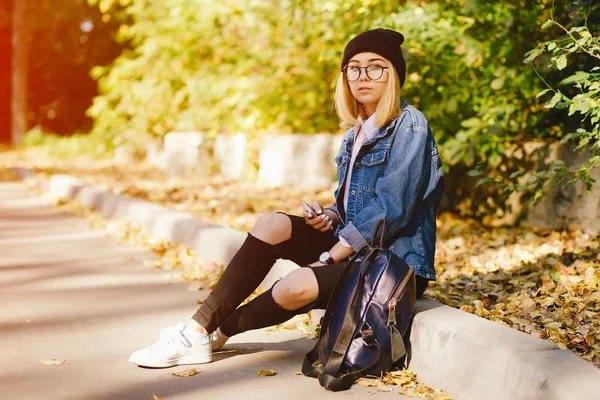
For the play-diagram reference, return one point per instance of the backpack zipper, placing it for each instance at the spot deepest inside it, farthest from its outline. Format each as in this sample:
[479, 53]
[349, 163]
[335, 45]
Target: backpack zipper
[395, 296]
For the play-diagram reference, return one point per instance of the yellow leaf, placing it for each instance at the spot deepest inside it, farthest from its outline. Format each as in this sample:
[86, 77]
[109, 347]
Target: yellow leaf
[527, 302]
[441, 396]
[267, 372]
[367, 382]
[156, 397]
[467, 308]
[189, 372]
[53, 362]
[554, 325]
[402, 381]
[549, 301]
[480, 309]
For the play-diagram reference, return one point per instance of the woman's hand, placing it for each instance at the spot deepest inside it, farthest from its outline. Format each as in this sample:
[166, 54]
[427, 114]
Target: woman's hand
[316, 264]
[324, 220]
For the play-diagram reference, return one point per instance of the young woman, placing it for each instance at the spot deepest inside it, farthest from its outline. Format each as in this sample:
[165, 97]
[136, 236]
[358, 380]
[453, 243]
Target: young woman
[388, 167]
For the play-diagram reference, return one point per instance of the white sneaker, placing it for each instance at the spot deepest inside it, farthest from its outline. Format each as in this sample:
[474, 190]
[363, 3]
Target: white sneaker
[218, 338]
[185, 347]
[171, 330]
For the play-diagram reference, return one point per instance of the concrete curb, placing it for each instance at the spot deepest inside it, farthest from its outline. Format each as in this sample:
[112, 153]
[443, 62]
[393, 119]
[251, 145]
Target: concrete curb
[466, 356]
[478, 359]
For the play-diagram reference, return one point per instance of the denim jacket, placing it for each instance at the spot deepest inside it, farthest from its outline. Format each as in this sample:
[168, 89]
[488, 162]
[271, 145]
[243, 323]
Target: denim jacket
[398, 176]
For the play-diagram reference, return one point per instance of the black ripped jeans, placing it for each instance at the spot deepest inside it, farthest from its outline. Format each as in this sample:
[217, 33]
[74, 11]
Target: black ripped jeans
[249, 267]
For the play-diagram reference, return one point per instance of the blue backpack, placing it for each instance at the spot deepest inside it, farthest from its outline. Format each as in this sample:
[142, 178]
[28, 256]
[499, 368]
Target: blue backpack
[367, 318]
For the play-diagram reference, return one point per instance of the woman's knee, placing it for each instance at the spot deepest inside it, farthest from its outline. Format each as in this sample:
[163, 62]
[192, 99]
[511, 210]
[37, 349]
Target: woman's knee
[297, 289]
[272, 228]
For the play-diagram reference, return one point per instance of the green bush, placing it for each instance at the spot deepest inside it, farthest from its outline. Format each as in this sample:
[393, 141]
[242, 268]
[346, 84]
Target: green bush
[58, 146]
[569, 65]
[259, 65]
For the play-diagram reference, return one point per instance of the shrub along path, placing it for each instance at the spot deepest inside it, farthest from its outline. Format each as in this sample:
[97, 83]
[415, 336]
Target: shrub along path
[541, 282]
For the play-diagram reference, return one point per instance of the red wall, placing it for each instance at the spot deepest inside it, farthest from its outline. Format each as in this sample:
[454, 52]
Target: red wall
[5, 69]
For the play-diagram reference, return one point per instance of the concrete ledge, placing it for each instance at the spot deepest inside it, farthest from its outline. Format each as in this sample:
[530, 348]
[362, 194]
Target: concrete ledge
[473, 358]
[466, 356]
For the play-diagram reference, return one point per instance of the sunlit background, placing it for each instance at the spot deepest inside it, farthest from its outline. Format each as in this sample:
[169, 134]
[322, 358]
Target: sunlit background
[511, 90]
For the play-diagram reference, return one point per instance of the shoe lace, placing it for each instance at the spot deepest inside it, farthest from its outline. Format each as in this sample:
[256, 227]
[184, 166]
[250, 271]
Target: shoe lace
[171, 339]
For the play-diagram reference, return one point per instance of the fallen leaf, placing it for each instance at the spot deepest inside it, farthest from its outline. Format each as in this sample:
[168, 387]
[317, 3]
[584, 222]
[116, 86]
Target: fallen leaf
[554, 325]
[189, 372]
[527, 303]
[367, 382]
[467, 308]
[267, 372]
[53, 362]
[156, 397]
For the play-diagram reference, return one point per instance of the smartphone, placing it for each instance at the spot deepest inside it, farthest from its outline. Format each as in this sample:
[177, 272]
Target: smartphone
[309, 209]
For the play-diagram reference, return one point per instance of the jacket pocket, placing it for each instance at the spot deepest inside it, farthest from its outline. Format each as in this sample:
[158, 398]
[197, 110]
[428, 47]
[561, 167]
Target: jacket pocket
[375, 157]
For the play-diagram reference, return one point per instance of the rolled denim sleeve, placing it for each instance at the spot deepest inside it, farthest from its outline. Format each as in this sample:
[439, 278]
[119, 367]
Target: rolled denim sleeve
[402, 186]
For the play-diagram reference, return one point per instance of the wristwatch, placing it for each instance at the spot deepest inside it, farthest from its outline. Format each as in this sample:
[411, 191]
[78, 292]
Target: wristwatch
[326, 258]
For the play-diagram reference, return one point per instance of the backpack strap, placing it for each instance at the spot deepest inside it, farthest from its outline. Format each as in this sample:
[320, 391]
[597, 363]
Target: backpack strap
[327, 374]
[328, 378]
[345, 381]
[308, 369]
[380, 223]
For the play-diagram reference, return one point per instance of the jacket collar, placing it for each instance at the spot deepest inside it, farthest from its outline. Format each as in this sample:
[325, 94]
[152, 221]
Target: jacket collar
[384, 130]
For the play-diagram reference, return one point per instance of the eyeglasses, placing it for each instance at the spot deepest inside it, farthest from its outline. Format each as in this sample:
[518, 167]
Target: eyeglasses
[374, 72]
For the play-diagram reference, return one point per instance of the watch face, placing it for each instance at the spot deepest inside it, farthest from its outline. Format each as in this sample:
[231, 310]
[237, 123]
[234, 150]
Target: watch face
[324, 257]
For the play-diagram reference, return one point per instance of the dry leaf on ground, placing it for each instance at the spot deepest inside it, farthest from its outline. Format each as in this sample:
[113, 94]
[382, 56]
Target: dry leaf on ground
[267, 372]
[53, 362]
[407, 382]
[186, 373]
[365, 382]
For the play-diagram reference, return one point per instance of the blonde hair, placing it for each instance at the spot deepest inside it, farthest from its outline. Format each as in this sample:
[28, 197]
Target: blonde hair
[350, 110]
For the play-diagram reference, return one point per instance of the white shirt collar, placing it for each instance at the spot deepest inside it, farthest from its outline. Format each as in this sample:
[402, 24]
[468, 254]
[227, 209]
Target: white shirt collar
[368, 127]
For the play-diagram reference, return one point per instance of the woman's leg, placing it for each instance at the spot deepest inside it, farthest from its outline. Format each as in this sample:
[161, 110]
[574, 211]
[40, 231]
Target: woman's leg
[299, 292]
[294, 294]
[244, 273]
[270, 239]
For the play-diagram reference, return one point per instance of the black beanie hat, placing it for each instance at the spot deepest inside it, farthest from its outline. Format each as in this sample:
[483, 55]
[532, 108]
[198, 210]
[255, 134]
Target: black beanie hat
[384, 42]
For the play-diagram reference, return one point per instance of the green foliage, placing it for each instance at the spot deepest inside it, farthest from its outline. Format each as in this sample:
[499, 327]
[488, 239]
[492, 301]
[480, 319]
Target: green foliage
[258, 65]
[57, 146]
[475, 90]
[579, 93]
[262, 65]
[233, 66]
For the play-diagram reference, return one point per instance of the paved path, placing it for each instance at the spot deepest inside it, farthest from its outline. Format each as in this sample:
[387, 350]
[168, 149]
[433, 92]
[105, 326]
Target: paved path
[68, 292]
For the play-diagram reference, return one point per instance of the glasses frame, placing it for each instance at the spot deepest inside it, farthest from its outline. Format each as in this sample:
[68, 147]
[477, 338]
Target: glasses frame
[360, 69]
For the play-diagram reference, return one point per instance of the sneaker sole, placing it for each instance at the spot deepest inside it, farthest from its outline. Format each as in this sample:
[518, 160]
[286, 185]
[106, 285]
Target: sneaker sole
[172, 363]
